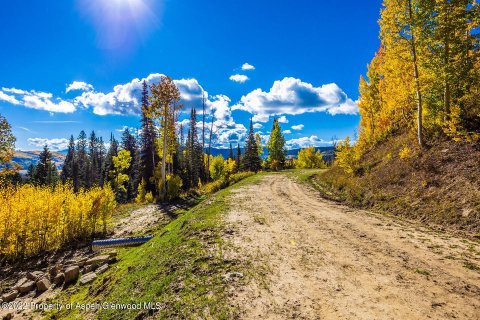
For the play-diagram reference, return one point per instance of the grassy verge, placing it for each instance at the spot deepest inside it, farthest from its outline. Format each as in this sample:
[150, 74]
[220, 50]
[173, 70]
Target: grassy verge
[181, 271]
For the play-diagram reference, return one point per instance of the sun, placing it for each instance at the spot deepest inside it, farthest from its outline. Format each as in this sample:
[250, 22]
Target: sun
[121, 23]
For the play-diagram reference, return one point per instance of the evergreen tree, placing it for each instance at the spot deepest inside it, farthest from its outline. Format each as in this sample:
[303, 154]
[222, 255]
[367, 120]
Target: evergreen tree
[94, 167]
[46, 171]
[102, 153]
[251, 160]
[130, 144]
[83, 162]
[69, 168]
[31, 173]
[276, 147]
[148, 156]
[238, 159]
[194, 153]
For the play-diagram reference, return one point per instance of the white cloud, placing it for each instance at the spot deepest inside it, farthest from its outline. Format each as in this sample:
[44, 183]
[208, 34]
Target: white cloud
[8, 98]
[240, 78]
[126, 98]
[259, 117]
[287, 131]
[36, 100]
[44, 102]
[292, 96]
[298, 127]
[283, 119]
[54, 144]
[247, 66]
[14, 91]
[305, 142]
[257, 126]
[79, 85]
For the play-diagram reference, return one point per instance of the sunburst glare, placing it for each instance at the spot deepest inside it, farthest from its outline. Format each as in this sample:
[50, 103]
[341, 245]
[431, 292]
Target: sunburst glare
[122, 24]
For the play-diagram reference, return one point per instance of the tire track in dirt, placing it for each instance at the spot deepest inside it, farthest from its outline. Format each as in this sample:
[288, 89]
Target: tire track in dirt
[327, 261]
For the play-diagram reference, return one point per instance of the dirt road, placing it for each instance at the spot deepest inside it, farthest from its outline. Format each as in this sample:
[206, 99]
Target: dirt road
[314, 259]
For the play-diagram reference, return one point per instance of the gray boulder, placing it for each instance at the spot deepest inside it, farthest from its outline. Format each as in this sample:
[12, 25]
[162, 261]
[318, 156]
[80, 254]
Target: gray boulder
[43, 284]
[26, 287]
[10, 296]
[71, 274]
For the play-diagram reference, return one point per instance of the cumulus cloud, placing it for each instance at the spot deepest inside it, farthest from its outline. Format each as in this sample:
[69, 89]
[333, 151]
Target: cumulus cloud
[79, 85]
[247, 66]
[292, 96]
[287, 131]
[298, 127]
[240, 78]
[8, 98]
[125, 99]
[260, 117]
[54, 144]
[305, 142]
[257, 126]
[36, 100]
[283, 119]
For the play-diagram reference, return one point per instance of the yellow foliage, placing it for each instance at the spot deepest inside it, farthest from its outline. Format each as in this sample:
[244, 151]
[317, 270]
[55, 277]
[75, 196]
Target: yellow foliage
[34, 219]
[405, 153]
[347, 157]
[149, 197]
[308, 158]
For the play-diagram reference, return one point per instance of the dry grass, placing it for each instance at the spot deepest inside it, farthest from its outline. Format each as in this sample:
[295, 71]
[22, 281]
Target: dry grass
[439, 185]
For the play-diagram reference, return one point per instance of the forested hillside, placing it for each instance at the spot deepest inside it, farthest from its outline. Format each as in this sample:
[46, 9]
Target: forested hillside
[417, 152]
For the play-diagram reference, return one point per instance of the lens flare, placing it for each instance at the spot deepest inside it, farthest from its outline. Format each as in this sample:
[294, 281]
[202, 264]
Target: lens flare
[122, 24]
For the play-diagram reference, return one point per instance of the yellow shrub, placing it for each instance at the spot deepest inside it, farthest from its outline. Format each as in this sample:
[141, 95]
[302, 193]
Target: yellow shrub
[405, 153]
[34, 219]
[347, 157]
[149, 197]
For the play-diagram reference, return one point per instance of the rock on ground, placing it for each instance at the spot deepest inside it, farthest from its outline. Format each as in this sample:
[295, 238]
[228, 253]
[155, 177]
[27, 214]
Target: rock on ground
[71, 274]
[87, 278]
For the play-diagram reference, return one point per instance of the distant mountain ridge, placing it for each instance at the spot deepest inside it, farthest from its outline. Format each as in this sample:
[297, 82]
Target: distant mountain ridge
[25, 158]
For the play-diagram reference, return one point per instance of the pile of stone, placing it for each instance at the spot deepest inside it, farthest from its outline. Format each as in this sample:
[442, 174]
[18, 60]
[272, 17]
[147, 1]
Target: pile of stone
[60, 274]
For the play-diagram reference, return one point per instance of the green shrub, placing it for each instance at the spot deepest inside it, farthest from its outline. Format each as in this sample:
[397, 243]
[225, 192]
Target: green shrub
[174, 186]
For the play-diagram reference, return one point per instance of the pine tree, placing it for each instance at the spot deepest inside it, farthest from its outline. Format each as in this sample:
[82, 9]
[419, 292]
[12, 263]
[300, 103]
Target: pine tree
[69, 169]
[130, 144]
[276, 147]
[251, 160]
[94, 161]
[83, 162]
[194, 152]
[238, 159]
[46, 171]
[102, 153]
[148, 155]
[31, 173]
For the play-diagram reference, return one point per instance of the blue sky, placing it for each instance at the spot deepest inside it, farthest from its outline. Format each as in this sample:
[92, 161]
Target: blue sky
[72, 65]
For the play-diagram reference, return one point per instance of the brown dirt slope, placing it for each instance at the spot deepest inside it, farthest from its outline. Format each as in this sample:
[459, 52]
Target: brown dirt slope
[439, 186]
[315, 259]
